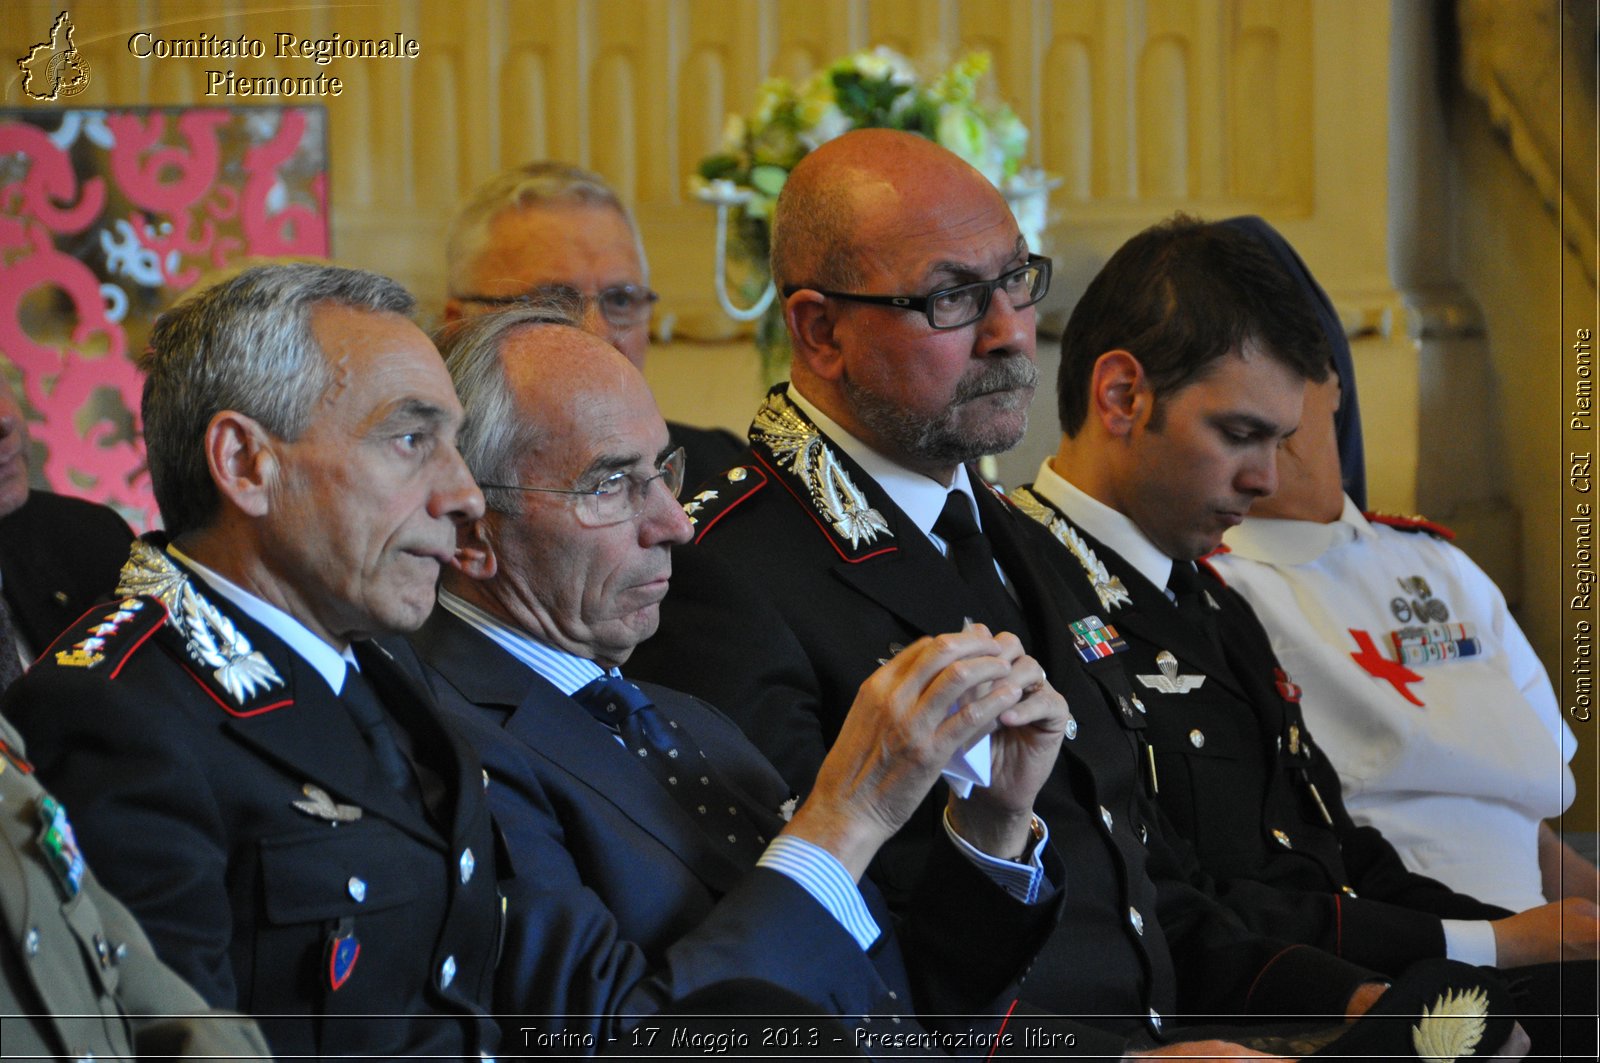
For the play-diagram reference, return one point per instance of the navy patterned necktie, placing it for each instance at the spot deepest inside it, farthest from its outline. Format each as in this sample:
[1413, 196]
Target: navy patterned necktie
[667, 750]
[969, 550]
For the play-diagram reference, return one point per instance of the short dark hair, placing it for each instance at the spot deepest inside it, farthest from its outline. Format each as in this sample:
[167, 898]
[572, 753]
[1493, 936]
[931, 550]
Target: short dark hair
[1179, 296]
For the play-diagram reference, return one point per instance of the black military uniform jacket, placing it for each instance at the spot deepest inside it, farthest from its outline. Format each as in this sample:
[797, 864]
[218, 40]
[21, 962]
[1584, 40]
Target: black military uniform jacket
[804, 576]
[1242, 779]
[59, 555]
[223, 793]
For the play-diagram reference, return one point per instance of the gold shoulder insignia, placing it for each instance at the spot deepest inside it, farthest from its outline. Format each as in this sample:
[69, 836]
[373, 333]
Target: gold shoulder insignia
[107, 635]
[1452, 1027]
[719, 495]
[799, 448]
[209, 637]
[1108, 588]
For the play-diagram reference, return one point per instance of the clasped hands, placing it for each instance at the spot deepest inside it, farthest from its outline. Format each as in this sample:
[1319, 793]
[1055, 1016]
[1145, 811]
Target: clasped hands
[909, 718]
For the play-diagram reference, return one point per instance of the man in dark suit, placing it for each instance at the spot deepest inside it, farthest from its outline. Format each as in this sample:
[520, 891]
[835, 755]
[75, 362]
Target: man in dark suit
[822, 553]
[269, 793]
[58, 555]
[625, 896]
[547, 228]
[1184, 369]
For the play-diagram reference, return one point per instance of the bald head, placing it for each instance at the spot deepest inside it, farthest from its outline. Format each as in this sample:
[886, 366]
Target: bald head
[864, 176]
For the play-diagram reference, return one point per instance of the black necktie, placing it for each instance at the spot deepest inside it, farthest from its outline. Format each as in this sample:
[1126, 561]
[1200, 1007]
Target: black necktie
[1190, 599]
[668, 752]
[969, 549]
[10, 661]
[373, 723]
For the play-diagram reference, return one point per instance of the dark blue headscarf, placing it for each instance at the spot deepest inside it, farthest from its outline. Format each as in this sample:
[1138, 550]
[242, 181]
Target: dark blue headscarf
[1347, 422]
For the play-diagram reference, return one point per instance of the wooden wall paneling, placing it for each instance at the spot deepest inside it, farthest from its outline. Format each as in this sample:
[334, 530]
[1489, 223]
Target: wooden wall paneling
[1168, 104]
[1070, 89]
[1269, 104]
[447, 132]
[809, 33]
[1006, 29]
[921, 30]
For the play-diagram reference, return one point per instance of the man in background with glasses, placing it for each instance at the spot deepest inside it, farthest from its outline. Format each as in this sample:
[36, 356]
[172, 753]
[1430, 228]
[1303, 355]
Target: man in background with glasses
[551, 229]
[855, 526]
[653, 849]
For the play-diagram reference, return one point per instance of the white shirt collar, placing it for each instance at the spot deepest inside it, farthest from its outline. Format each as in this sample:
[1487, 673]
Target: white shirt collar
[1296, 542]
[329, 662]
[919, 497]
[1115, 529]
[565, 671]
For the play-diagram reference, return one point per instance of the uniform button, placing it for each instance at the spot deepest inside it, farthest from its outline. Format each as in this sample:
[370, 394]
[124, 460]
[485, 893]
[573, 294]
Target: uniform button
[1144, 834]
[1137, 703]
[1347, 891]
[893, 995]
[1283, 839]
[102, 950]
[1105, 816]
[447, 972]
[30, 941]
[735, 475]
[1072, 728]
[485, 778]
[1137, 920]
[468, 863]
[1197, 738]
[1155, 1020]
[357, 888]
[119, 953]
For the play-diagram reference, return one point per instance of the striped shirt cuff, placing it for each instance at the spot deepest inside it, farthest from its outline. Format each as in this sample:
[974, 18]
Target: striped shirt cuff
[1022, 881]
[817, 872]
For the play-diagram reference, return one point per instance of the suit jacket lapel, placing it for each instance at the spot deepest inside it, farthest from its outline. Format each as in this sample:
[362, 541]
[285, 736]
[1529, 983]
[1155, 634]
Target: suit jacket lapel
[559, 730]
[892, 563]
[315, 737]
[1154, 618]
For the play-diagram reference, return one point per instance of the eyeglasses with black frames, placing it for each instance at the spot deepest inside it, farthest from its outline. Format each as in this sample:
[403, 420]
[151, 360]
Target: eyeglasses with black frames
[955, 307]
[623, 305]
[619, 497]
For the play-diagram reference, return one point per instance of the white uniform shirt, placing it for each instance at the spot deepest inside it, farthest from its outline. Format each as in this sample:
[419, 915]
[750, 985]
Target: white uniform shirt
[1458, 784]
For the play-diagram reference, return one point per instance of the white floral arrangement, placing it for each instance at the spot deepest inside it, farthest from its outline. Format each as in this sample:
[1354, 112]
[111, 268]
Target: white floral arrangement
[878, 87]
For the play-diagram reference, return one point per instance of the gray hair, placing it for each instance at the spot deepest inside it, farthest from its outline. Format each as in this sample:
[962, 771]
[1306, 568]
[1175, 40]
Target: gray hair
[534, 184]
[242, 344]
[494, 434]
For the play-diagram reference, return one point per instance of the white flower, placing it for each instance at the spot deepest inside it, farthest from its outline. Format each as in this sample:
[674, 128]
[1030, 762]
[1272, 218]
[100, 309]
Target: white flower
[824, 126]
[883, 64]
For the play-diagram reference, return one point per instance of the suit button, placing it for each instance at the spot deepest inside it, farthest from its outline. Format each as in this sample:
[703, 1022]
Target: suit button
[1105, 817]
[357, 888]
[1144, 834]
[1197, 738]
[1155, 1020]
[1283, 839]
[467, 866]
[30, 941]
[447, 972]
[1137, 920]
[1072, 728]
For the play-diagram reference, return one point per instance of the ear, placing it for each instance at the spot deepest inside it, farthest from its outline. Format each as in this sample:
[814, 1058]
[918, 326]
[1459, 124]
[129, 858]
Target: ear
[1120, 396]
[243, 461]
[475, 557]
[811, 332]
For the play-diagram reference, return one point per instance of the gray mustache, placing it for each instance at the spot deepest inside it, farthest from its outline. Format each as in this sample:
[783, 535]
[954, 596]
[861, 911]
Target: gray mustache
[1008, 374]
